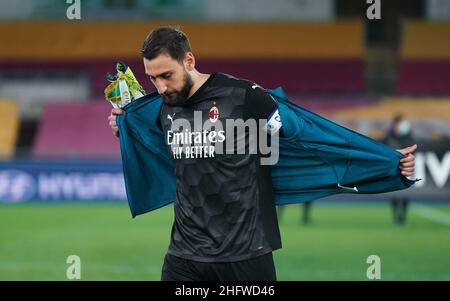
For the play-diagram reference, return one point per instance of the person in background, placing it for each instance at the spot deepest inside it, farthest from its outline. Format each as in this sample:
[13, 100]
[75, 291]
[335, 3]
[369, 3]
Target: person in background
[398, 136]
[305, 212]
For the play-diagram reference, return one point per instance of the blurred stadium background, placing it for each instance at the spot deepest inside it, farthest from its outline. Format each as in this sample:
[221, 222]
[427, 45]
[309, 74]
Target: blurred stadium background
[61, 186]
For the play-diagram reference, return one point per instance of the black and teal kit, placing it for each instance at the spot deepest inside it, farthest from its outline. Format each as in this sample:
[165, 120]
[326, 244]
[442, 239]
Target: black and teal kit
[317, 158]
[224, 207]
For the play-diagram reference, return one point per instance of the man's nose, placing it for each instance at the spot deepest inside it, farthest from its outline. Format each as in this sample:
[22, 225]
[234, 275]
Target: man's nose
[160, 86]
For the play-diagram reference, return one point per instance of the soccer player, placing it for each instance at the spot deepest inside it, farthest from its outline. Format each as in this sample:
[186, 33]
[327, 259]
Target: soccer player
[225, 225]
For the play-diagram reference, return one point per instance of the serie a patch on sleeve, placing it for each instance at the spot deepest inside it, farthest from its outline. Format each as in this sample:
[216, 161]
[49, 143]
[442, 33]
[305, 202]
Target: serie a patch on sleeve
[273, 124]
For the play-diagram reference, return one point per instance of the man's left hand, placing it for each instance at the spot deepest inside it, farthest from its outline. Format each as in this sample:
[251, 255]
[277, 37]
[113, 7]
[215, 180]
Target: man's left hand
[407, 163]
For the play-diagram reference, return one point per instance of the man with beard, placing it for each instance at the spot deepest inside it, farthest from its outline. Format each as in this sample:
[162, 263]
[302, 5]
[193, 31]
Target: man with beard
[225, 225]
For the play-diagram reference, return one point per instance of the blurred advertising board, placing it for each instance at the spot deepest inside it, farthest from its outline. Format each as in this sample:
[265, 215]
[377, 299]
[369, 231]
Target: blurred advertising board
[42, 180]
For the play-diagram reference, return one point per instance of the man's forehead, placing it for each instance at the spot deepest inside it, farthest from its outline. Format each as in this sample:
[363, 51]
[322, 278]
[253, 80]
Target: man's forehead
[159, 65]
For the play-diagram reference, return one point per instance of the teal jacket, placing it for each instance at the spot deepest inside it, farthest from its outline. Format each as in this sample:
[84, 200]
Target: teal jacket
[317, 158]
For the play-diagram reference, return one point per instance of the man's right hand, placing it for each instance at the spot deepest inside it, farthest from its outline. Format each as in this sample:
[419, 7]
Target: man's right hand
[112, 120]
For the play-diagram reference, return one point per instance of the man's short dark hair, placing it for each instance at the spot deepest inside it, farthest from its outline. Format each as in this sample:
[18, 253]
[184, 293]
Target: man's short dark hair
[166, 40]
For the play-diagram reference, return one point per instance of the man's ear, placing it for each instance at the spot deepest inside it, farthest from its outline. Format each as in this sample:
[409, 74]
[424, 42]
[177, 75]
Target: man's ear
[189, 61]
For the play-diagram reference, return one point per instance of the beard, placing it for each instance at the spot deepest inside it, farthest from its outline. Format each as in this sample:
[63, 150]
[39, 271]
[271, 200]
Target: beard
[178, 98]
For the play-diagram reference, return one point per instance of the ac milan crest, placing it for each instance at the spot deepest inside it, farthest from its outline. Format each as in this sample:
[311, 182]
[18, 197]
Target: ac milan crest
[214, 114]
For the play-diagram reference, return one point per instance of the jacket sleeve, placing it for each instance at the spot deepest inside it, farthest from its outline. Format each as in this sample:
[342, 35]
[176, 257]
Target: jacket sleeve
[147, 167]
[319, 157]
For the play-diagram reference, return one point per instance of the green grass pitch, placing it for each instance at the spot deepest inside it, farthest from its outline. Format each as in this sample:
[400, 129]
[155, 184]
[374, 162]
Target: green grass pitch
[36, 239]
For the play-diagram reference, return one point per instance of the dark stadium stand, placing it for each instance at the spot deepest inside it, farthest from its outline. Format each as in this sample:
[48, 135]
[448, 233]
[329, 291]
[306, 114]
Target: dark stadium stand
[10, 120]
[303, 57]
[425, 59]
[305, 76]
[425, 77]
[75, 130]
